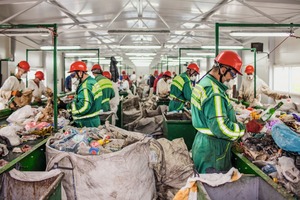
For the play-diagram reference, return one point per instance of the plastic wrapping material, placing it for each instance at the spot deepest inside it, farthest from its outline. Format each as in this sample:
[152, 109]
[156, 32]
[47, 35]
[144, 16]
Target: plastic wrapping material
[285, 138]
[10, 132]
[20, 115]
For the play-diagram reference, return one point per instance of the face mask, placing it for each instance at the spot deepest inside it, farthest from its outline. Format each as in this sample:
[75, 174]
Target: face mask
[249, 77]
[23, 75]
[169, 81]
[193, 78]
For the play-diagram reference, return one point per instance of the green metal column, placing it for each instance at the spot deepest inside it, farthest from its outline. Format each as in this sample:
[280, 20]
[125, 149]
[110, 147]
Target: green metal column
[55, 75]
[26, 74]
[179, 60]
[254, 72]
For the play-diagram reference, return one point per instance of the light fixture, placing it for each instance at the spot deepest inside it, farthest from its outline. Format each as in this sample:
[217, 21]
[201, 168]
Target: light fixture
[80, 54]
[139, 47]
[260, 34]
[24, 32]
[59, 47]
[200, 54]
[140, 54]
[222, 47]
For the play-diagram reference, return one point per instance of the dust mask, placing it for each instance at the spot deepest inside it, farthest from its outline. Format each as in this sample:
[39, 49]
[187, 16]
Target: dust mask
[193, 78]
[169, 81]
[250, 77]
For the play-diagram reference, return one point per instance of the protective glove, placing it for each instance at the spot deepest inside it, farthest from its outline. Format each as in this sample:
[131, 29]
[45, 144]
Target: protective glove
[16, 93]
[61, 105]
[283, 96]
[240, 98]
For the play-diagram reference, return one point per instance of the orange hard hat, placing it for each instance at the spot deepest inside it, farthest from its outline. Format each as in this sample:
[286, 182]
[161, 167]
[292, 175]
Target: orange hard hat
[78, 66]
[168, 73]
[96, 67]
[24, 65]
[107, 74]
[194, 67]
[39, 75]
[249, 69]
[231, 59]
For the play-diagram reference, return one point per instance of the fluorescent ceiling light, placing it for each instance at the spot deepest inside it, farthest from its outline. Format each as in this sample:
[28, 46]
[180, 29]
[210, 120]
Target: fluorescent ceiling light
[222, 47]
[139, 47]
[80, 54]
[59, 47]
[200, 54]
[140, 54]
[260, 34]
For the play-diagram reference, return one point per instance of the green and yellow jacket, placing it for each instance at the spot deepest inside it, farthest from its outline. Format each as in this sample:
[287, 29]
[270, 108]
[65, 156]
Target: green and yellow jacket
[215, 119]
[86, 106]
[181, 91]
[107, 91]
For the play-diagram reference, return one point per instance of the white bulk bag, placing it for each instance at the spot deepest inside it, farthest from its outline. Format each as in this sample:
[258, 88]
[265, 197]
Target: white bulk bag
[125, 174]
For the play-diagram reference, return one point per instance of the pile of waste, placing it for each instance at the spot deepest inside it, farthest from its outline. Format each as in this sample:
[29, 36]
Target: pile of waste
[272, 143]
[25, 125]
[90, 141]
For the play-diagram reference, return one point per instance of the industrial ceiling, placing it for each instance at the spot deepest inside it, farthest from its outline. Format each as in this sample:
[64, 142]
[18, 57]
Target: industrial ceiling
[160, 27]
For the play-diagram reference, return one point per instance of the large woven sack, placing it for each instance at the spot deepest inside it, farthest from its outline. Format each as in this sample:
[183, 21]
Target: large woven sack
[124, 174]
[131, 109]
[173, 168]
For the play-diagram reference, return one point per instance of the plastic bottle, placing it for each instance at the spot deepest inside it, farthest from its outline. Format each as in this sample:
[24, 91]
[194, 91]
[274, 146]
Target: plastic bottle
[94, 150]
[268, 169]
[269, 112]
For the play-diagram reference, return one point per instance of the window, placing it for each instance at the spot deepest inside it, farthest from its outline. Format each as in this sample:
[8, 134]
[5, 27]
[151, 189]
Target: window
[286, 79]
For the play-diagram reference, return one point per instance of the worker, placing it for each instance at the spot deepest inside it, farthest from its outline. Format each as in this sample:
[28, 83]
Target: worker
[174, 74]
[37, 86]
[156, 81]
[69, 82]
[114, 102]
[152, 78]
[125, 86]
[85, 107]
[105, 85]
[14, 85]
[133, 78]
[163, 85]
[214, 117]
[246, 91]
[181, 88]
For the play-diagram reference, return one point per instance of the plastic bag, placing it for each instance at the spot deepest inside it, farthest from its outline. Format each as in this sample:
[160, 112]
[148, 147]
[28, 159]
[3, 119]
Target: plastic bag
[286, 138]
[20, 115]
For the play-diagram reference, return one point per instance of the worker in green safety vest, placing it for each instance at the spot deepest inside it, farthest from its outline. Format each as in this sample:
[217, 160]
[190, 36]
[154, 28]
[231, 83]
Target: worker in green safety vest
[214, 117]
[106, 86]
[86, 106]
[181, 87]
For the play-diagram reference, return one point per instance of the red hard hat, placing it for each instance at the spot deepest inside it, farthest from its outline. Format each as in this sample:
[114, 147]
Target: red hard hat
[231, 59]
[249, 69]
[96, 67]
[107, 74]
[155, 73]
[125, 77]
[194, 66]
[78, 66]
[39, 75]
[24, 65]
[168, 73]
